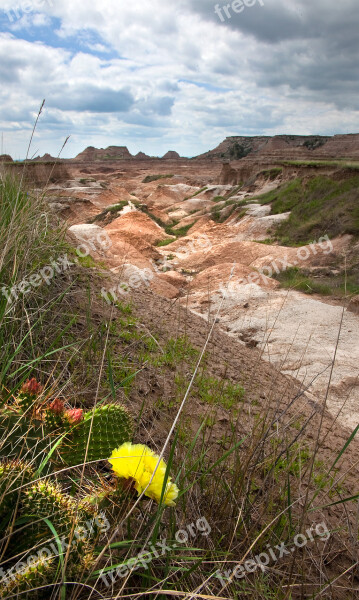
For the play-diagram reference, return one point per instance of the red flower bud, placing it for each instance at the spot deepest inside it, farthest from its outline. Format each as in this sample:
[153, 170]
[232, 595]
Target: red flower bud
[57, 406]
[74, 415]
[31, 387]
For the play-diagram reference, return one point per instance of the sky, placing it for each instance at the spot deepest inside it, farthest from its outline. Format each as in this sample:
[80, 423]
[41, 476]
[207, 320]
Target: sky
[159, 75]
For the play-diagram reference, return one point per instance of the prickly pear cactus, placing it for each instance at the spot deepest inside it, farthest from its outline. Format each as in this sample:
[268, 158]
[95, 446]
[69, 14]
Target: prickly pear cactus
[25, 438]
[21, 432]
[46, 499]
[111, 427]
[26, 579]
[50, 523]
[77, 527]
[13, 475]
[31, 433]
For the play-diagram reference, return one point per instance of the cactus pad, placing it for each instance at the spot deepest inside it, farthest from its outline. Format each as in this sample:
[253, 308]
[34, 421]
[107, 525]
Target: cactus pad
[111, 427]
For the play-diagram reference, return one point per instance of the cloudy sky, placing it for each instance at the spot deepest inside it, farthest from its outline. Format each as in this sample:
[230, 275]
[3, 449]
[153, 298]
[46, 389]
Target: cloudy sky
[157, 75]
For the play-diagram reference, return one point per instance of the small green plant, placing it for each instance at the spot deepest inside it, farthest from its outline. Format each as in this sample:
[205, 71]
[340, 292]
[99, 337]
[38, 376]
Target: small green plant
[293, 463]
[87, 261]
[176, 351]
[179, 231]
[162, 243]
[216, 215]
[267, 241]
[272, 174]
[124, 307]
[238, 151]
[221, 392]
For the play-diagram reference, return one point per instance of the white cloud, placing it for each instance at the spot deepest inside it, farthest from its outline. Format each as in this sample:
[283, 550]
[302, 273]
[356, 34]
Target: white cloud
[121, 73]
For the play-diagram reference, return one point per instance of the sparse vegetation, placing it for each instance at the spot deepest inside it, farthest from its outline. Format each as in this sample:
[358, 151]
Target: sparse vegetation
[162, 243]
[179, 231]
[267, 241]
[150, 178]
[343, 284]
[110, 213]
[238, 151]
[169, 229]
[294, 278]
[342, 163]
[219, 214]
[176, 351]
[314, 143]
[196, 193]
[272, 174]
[319, 206]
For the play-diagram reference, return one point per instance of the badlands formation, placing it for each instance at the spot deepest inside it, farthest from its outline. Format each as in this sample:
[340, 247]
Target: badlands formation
[195, 232]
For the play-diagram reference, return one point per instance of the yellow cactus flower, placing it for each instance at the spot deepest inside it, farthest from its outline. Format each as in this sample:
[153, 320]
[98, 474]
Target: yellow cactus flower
[138, 462]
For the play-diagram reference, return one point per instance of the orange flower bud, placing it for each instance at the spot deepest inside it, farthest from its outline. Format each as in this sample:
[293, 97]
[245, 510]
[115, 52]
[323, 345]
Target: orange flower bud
[32, 387]
[74, 416]
[57, 406]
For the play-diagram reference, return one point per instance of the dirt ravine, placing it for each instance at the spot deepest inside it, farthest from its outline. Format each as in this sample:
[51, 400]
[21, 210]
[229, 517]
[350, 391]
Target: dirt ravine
[310, 338]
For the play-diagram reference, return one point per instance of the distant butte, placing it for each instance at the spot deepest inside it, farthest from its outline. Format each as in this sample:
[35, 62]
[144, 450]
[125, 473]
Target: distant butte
[5, 158]
[111, 153]
[142, 156]
[91, 154]
[278, 147]
[46, 158]
[171, 154]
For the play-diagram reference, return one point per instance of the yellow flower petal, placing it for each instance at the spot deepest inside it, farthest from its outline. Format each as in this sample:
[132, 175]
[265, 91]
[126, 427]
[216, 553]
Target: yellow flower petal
[138, 462]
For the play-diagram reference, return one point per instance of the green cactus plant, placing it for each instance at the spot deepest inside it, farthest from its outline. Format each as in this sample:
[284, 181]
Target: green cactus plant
[29, 577]
[45, 499]
[13, 475]
[29, 434]
[77, 526]
[21, 431]
[47, 517]
[102, 430]
[24, 437]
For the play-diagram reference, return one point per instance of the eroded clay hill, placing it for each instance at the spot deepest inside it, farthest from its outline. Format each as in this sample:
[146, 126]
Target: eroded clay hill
[287, 147]
[179, 230]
